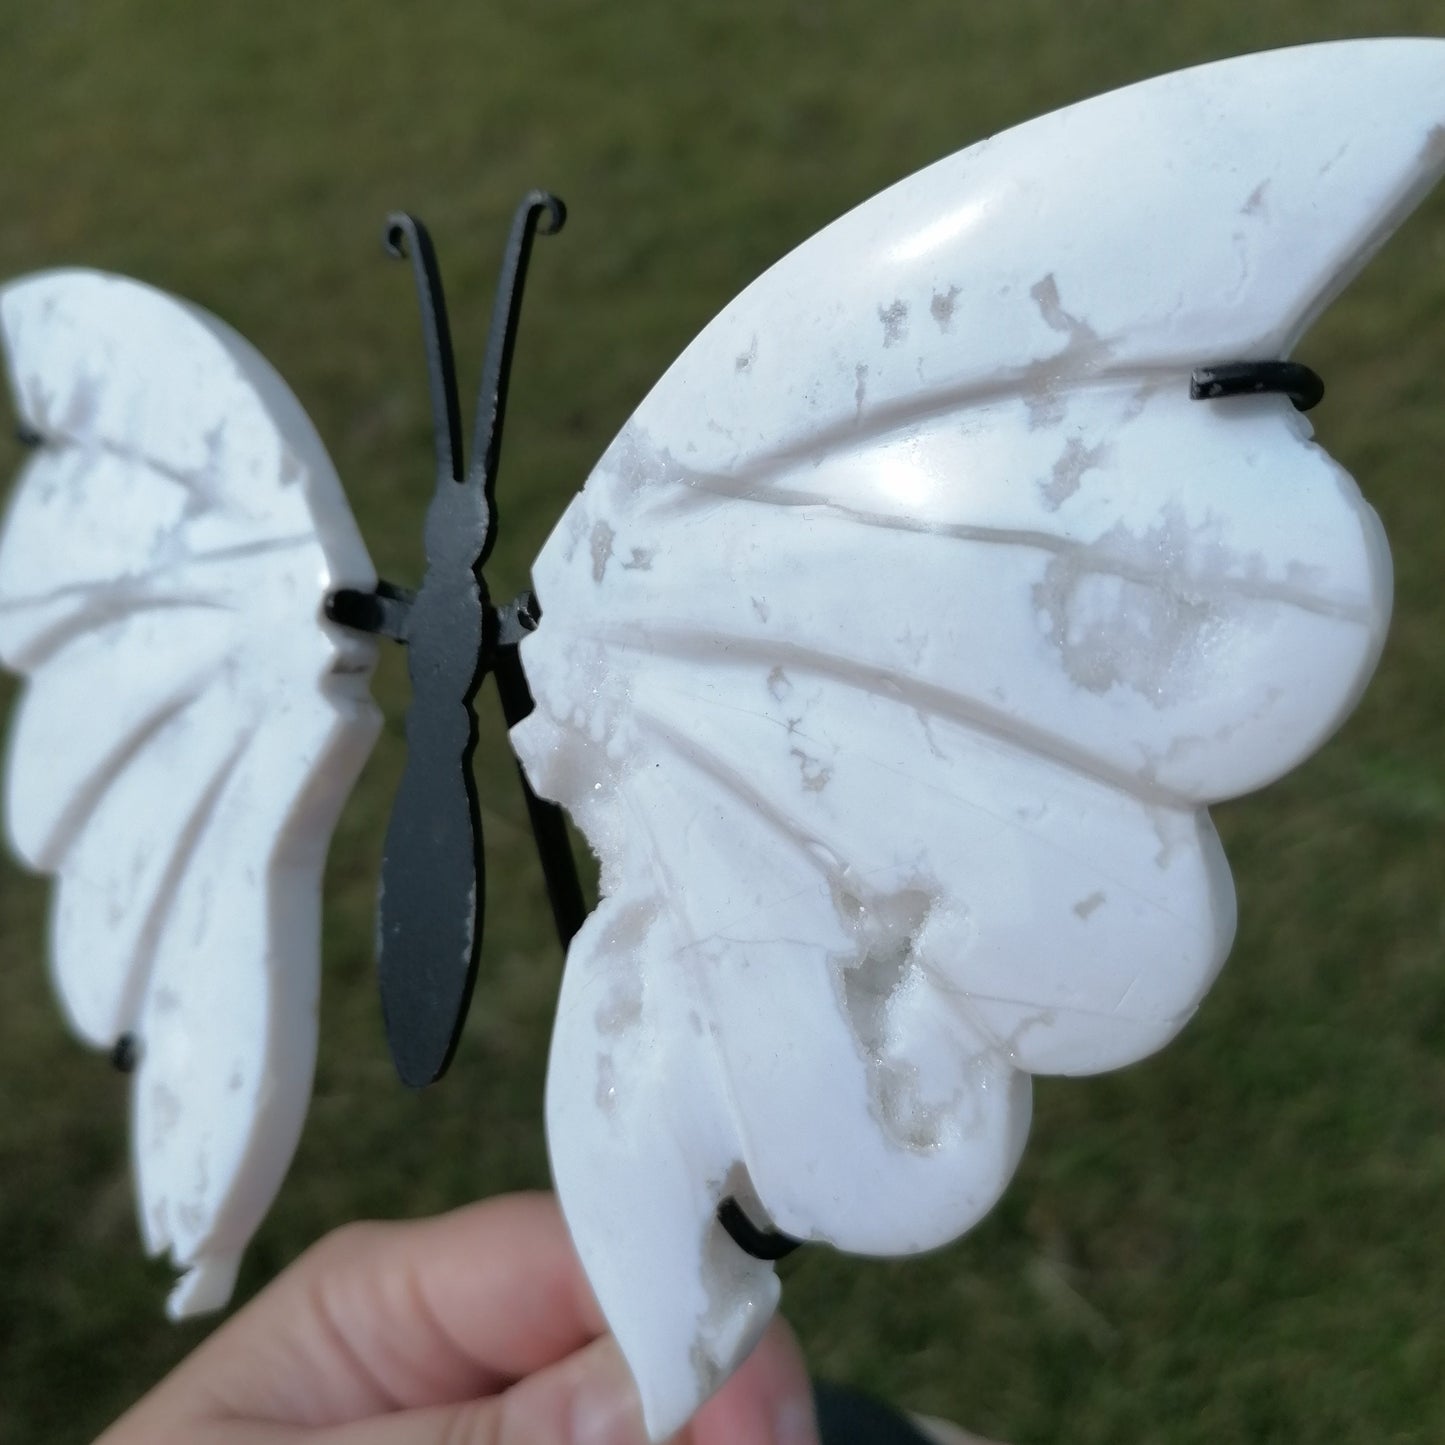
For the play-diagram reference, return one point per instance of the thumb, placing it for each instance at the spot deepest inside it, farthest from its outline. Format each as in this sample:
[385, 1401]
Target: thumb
[589, 1399]
[586, 1399]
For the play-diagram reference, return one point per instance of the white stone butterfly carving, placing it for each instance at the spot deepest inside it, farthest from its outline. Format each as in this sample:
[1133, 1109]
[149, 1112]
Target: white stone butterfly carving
[890, 658]
[189, 731]
[893, 651]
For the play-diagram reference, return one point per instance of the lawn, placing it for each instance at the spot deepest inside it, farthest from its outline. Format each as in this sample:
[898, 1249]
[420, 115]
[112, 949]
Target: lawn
[1235, 1241]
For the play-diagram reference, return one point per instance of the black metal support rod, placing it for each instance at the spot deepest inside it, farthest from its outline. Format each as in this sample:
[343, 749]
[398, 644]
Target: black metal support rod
[549, 822]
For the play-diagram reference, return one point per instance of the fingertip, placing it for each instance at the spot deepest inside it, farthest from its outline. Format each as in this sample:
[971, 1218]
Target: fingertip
[587, 1399]
[768, 1399]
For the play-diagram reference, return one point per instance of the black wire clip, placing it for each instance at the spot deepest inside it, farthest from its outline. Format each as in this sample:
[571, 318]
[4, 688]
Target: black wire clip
[1303, 386]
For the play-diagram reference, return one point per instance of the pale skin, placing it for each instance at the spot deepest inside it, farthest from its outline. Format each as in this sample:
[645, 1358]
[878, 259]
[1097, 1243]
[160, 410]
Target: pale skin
[474, 1328]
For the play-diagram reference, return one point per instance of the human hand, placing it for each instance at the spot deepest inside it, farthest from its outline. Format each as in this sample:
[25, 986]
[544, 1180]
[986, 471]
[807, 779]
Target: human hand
[474, 1328]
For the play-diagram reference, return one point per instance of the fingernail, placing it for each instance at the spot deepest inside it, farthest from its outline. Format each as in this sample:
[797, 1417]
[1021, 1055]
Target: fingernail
[795, 1422]
[605, 1408]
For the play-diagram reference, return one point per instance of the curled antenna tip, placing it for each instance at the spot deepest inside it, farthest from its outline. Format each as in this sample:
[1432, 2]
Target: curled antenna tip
[400, 229]
[535, 203]
[556, 215]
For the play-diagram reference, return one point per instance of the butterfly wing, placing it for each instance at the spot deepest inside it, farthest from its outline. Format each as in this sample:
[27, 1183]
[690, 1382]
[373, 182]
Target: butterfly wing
[893, 652]
[188, 732]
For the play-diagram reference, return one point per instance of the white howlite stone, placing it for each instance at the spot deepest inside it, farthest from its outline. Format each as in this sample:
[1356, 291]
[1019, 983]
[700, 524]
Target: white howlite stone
[188, 732]
[893, 652]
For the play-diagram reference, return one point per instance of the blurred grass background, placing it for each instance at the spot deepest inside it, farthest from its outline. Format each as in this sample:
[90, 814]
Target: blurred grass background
[1237, 1241]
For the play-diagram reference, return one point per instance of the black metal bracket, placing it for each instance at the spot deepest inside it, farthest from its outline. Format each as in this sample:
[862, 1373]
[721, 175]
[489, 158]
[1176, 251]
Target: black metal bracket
[382, 613]
[1303, 386]
[430, 906]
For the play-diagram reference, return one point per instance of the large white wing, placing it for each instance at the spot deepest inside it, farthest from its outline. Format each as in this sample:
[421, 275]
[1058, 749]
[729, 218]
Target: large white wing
[189, 731]
[892, 653]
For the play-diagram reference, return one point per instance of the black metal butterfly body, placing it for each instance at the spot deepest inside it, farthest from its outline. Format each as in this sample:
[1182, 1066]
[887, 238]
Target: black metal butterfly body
[430, 903]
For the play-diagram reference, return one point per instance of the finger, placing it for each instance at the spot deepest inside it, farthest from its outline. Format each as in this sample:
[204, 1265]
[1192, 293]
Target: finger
[590, 1399]
[769, 1398]
[383, 1317]
[586, 1399]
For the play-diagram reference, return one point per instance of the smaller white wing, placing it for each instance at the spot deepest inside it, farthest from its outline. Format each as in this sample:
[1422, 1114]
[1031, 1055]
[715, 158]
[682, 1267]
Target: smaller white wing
[189, 732]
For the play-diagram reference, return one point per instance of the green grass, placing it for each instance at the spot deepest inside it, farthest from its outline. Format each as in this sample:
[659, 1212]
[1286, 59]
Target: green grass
[1236, 1241]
